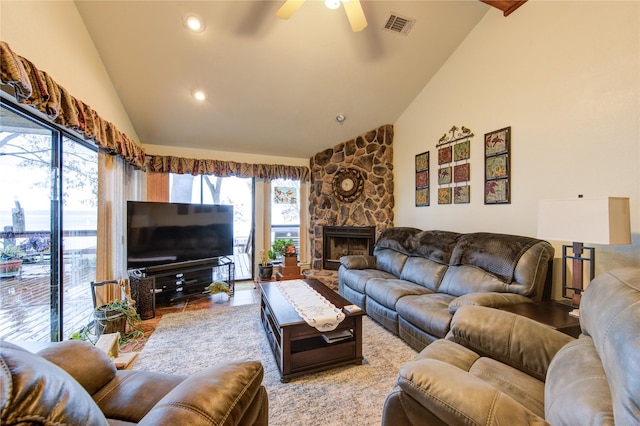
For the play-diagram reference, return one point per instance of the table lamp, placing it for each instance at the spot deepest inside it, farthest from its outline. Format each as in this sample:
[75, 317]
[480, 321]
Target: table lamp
[604, 220]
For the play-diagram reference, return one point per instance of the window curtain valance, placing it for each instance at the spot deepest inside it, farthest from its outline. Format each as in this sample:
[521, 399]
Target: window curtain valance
[169, 164]
[36, 88]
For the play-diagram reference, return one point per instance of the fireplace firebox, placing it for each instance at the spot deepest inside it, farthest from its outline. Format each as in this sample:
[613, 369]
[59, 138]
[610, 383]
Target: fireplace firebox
[341, 241]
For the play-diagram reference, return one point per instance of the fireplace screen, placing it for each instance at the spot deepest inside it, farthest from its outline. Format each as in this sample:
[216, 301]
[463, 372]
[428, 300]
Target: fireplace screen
[345, 240]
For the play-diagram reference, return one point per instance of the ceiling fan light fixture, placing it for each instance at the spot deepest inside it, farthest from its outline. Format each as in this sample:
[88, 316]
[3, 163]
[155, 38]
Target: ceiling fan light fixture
[332, 4]
[193, 22]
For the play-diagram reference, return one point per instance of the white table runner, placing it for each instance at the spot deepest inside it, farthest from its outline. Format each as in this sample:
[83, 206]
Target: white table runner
[317, 311]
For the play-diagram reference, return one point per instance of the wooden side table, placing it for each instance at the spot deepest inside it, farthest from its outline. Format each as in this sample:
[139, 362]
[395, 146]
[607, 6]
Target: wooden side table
[551, 313]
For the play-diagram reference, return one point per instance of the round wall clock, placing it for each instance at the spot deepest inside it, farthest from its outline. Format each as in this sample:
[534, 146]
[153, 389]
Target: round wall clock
[348, 184]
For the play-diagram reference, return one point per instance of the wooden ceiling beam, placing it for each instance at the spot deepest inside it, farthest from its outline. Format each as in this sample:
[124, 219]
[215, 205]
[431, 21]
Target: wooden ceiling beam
[506, 6]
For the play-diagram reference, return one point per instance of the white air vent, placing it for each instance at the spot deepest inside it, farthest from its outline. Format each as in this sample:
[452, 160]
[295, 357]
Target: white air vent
[399, 24]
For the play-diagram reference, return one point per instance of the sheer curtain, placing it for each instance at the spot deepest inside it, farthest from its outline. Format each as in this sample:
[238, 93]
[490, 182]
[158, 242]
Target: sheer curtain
[117, 183]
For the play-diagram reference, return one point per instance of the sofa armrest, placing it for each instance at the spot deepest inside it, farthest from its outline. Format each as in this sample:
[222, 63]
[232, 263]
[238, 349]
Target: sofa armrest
[358, 262]
[491, 300]
[218, 395]
[457, 397]
[511, 339]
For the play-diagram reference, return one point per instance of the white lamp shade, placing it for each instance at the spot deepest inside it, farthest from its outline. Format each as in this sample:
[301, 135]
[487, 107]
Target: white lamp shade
[603, 220]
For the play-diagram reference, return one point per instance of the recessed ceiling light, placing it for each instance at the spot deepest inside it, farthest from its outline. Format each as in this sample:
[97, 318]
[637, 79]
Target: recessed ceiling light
[199, 95]
[194, 22]
[332, 4]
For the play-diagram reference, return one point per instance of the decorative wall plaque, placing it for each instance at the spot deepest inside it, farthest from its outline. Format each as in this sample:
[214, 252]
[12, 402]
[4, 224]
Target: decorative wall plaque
[348, 184]
[454, 171]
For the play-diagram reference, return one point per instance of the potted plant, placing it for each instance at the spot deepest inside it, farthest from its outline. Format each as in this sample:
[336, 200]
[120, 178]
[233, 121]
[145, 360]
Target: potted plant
[265, 267]
[10, 260]
[218, 287]
[114, 317]
[279, 248]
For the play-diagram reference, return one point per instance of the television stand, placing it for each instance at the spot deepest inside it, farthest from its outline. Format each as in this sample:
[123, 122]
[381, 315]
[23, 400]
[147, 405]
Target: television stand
[178, 281]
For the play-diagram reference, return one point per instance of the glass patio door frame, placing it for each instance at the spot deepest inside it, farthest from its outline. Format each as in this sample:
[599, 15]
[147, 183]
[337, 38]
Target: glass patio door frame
[56, 284]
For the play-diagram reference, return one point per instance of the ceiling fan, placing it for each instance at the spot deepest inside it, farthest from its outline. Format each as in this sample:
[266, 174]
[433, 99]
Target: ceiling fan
[352, 8]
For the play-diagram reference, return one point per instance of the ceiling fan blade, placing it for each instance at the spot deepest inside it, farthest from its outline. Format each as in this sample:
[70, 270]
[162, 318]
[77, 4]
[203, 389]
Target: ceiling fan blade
[355, 14]
[288, 8]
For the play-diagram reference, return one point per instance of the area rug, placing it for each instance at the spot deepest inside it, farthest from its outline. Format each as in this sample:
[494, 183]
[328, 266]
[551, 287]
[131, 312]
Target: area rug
[188, 342]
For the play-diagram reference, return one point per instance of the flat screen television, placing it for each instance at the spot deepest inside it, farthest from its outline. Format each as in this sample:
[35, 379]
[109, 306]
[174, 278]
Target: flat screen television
[164, 233]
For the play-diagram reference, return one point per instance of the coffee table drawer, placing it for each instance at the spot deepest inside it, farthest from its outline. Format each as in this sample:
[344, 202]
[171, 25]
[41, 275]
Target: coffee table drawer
[323, 353]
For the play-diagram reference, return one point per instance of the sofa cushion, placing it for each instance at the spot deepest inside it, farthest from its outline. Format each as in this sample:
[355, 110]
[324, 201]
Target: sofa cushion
[36, 391]
[523, 388]
[390, 261]
[357, 279]
[465, 279]
[423, 271]
[429, 312]
[387, 291]
[436, 386]
[146, 388]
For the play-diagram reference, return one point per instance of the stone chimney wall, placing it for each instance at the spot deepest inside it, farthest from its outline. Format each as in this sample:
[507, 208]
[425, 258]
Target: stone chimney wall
[372, 154]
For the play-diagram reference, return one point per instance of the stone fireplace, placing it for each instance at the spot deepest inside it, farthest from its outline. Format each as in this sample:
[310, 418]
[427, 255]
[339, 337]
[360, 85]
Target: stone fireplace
[341, 241]
[372, 155]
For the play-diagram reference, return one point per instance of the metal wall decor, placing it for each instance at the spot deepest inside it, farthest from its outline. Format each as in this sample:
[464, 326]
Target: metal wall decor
[422, 179]
[497, 166]
[454, 170]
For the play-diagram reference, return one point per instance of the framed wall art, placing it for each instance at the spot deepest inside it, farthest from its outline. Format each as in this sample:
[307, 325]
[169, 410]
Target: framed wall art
[462, 151]
[454, 170]
[422, 197]
[444, 195]
[462, 194]
[444, 155]
[422, 179]
[497, 167]
[461, 173]
[444, 175]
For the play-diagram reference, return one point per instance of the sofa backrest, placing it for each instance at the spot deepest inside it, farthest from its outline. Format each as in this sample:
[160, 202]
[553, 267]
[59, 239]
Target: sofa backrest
[528, 277]
[423, 271]
[390, 260]
[610, 315]
[459, 264]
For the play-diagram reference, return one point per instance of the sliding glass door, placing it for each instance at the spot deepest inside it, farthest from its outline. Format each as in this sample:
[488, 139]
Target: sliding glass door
[48, 210]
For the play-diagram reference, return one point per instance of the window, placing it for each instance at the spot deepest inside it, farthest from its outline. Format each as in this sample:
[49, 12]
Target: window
[238, 192]
[285, 211]
[48, 209]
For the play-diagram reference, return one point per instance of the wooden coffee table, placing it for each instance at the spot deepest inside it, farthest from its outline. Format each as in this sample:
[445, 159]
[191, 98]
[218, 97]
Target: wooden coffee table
[299, 348]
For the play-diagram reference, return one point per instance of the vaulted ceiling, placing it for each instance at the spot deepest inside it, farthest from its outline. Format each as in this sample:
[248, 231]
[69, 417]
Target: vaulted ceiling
[273, 86]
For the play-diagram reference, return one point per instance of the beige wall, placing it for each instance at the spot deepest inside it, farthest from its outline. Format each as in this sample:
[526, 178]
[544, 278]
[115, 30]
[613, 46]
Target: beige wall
[566, 77]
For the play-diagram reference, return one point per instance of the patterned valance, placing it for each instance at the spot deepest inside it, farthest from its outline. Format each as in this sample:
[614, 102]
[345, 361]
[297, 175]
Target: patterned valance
[169, 164]
[36, 88]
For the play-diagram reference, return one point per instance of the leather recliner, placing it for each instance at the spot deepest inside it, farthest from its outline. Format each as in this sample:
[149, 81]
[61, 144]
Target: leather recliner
[74, 383]
[496, 368]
